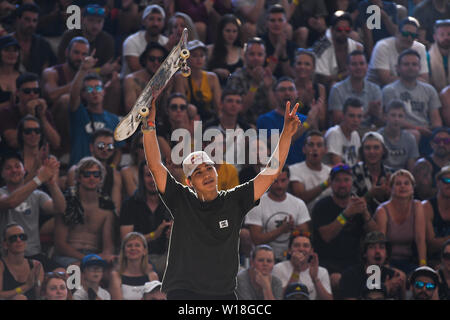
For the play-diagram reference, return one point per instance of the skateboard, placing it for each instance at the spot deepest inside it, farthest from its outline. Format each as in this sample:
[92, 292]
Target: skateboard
[175, 60]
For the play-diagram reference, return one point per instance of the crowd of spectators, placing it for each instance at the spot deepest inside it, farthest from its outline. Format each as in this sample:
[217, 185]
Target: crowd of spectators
[366, 182]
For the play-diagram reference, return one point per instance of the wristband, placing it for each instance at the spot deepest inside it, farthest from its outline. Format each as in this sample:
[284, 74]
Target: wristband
[306, 125]
[253, 89]
[152, 235]
[324, 184]
[37, 181]
[148, 126]
[341, 219]
[296, 2]
[97, 70]
[295, 276]
[19, 290]
[423, 262]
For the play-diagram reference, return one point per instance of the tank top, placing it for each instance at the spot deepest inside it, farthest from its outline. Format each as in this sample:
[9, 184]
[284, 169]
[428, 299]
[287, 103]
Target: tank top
[401, 236]
[435, 167]
[201, 97]
[5, 95]
[133, 287]
[440, 226]
[10, 283]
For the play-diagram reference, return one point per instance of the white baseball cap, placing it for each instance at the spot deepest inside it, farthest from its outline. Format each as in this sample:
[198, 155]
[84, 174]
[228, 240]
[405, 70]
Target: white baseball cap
[152, 7]
[373, 135]
[193, 160]
[152, 285]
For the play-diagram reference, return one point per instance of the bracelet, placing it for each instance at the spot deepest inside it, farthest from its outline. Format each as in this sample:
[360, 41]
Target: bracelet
[19, 290]
[272, 59]
[97, 70]
[148, 126]
[295, 276]
[306, 125]
[423, 262]
[341, 219]
[253, 89]
[37, 181]
[324, 184]
[152, 235]
[296, 2]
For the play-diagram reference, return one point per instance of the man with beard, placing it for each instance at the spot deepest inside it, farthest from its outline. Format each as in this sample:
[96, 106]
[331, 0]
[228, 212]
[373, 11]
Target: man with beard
[424, 282]
[310, 178]
[36, 53]
[332, 50]
[278, 214]
[375, 252]
[285, 91]
[339, 223]
[439, 55]
[134, 83]
[144, 212]
[133, 46]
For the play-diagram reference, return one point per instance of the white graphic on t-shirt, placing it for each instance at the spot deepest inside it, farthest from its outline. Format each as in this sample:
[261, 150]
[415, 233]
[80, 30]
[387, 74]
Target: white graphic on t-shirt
[223, 224]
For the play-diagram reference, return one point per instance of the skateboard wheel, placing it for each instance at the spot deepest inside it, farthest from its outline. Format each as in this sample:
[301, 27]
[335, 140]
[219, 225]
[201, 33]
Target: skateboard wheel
[144, 112]
[186, 72]
[185, 54]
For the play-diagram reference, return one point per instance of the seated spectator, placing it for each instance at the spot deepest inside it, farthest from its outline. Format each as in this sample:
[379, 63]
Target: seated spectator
[400, 143]
[332, 50]
[402, 221]
[424, 282]
[438, 216]
[427, 11]
[296, 291]
[129, 282]
[102, 148]
[92, 269]
[21, 203]
[421, 99]
[226, 54]
[310, 178]
[133, 46]
[175, 26]
[444, 272]
[130, 173]
[339, 223]
[257, 282]
[371, 175]
[343, 140]
[439, 55]
[14, 265]
[254, 81]
[87, 224]
[375, 252]
[144, 212]
[28, 101]
[134, 83]
[36, 53]
[383, 65]
[153, 291]
[356, 86]
[303, 267]
[202, 88]
[9, 69]
[311, 93]
[278, 214]
[54, 287]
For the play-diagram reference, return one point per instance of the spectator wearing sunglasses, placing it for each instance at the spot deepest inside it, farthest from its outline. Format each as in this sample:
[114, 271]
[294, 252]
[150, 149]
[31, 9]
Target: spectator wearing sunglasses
[444, 272]
[383, 62]
[134, 83]
[424, 282]
[20, 202]
[88, 222]
[20, 277]
[439, 55]
[332, 50]
[438, 216]
[427, 11]
[28, 101]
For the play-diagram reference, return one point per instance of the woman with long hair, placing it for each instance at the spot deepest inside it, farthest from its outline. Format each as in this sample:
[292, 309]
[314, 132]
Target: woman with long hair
[402, 220]
[226, 54]
[128, 283]
[9, 69]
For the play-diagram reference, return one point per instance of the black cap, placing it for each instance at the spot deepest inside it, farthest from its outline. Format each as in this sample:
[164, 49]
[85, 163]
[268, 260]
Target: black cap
[296, 289]
[7, 41]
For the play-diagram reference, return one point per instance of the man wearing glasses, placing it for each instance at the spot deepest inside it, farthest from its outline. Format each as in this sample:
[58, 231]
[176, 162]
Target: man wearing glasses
[424, 282]
[28, 101]
[383, 62]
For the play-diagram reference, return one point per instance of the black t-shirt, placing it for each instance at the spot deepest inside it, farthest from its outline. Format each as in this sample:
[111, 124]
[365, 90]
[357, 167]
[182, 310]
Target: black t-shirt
[135, 212]
[203, 252]
[343, 250]
[354, 281]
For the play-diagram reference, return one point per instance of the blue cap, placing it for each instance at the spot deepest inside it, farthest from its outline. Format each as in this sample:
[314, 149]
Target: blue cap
[92, 260]
[7, 41]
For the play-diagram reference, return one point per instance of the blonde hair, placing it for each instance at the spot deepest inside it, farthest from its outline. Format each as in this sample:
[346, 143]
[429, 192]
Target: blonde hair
[86, 163]
[123, 261]
[402, 172]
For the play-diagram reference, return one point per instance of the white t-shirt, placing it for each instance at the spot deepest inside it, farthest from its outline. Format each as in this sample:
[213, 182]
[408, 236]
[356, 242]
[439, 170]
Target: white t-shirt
[134, 45]
[310, 179]
[338, 144]
[82, 294]
[270, 214]
[385, 54]
[283, 271]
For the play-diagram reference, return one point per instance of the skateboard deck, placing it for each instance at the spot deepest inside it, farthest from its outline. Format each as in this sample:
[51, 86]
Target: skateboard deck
[175, 60]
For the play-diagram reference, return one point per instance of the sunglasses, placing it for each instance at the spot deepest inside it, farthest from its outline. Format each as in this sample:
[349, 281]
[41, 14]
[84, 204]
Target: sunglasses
[341, 167]
[406, 34]
[95, 174]
[16, 237]
[30, 90]
[97, 11]
[445, 180]
[439, 140]
[346, 29]
[175, 107]
[28, 131]
[90, 89]
[102, 145]
[56, 274]
[428, 285]
[153, 59]
[446, 256]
